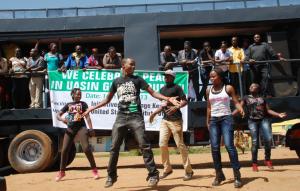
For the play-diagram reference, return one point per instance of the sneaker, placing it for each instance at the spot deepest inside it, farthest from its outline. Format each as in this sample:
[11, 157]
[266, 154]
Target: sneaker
[95, 174]
[165, 174]
[219, 178]
[269, 164]
[153, 180]
[255, 167]
[237, 179]
[60, 175]
[188, 176]
[110, 181]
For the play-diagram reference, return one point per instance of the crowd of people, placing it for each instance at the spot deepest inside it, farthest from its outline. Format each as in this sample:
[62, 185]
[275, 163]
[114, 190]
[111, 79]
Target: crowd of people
[232, 60]
[238, 65]
[22, 79]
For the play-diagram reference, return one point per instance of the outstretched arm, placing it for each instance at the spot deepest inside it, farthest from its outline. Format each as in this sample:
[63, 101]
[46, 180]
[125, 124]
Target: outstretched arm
[108, 98]
[236, 111]
[162, 97]
[274, 113]
[236, 102]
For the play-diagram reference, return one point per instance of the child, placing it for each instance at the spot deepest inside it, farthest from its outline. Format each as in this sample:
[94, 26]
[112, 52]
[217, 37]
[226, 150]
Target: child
[259, 120]
[76, 127]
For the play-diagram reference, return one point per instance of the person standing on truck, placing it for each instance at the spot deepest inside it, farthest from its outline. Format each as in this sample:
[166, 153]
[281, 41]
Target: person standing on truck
[36, 63]
[258, 120]
[94, 60]
[112, 59]
[129, 115]
[76, 127]
[76, 60]
[207, 58]
[53, 59]
[220, 123]
[223, 57]
[168, 60]
[20, 93]
[188, 59]
[172, 124]
[261, 51]
[4, 83]
[238, 57]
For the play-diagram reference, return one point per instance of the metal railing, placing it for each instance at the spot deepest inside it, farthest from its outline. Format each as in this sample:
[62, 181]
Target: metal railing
[148, 7]
[238, 64]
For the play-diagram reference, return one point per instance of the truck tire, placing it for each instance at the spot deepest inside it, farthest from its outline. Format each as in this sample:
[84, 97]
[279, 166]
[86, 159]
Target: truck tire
[31, 151]
[298, 153]
[2, 184]
[2, 157]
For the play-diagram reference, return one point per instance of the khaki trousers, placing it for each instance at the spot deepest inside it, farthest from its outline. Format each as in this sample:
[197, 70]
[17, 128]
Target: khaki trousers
[175, 128]
[36, 89]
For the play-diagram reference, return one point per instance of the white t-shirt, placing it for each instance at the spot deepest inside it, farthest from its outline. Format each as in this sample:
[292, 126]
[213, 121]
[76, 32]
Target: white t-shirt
[223, 56]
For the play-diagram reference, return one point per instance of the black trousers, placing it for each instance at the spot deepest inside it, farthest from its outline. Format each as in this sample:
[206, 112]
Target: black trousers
[234, 81]
[70, 134]
[194, 76]
[135, 122]
[261, 75]
[204, 74]
[20, 93]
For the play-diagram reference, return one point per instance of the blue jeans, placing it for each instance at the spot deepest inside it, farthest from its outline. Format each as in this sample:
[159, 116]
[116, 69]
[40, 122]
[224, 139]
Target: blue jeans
[222, 126]
[265, 127]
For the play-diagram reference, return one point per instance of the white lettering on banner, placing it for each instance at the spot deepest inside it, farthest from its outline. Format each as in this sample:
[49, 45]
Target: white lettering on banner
[156, 87]
[57, 85]
[106, 86]
[70, 74]
[91, 86]
[153, 77]
[91, 75]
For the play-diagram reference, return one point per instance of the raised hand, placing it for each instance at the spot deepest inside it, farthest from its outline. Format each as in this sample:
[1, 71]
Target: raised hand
[174, 101]
[172, 110]
[242, 112]
[282, 115]
[88, 111]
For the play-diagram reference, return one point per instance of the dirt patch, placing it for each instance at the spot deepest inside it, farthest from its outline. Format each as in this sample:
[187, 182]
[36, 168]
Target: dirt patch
[132, 175]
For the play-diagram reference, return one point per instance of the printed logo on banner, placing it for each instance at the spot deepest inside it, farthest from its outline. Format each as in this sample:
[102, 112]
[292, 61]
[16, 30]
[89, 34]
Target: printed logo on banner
[95, 84]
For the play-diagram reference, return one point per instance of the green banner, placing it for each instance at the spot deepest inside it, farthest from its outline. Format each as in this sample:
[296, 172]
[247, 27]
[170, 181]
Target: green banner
[100, 80]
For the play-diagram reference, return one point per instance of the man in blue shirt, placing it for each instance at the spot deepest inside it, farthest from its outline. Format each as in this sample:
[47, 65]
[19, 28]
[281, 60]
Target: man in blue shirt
[77, 60]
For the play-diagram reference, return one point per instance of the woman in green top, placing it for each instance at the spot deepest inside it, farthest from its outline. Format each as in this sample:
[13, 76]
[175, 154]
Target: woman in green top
[53, 58]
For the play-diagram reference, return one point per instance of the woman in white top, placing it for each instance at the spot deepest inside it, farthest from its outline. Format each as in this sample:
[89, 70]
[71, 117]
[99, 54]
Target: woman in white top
[220, 123]
[20, 81]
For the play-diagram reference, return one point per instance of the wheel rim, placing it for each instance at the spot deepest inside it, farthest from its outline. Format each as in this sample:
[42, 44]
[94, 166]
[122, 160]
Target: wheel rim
[29, 151]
